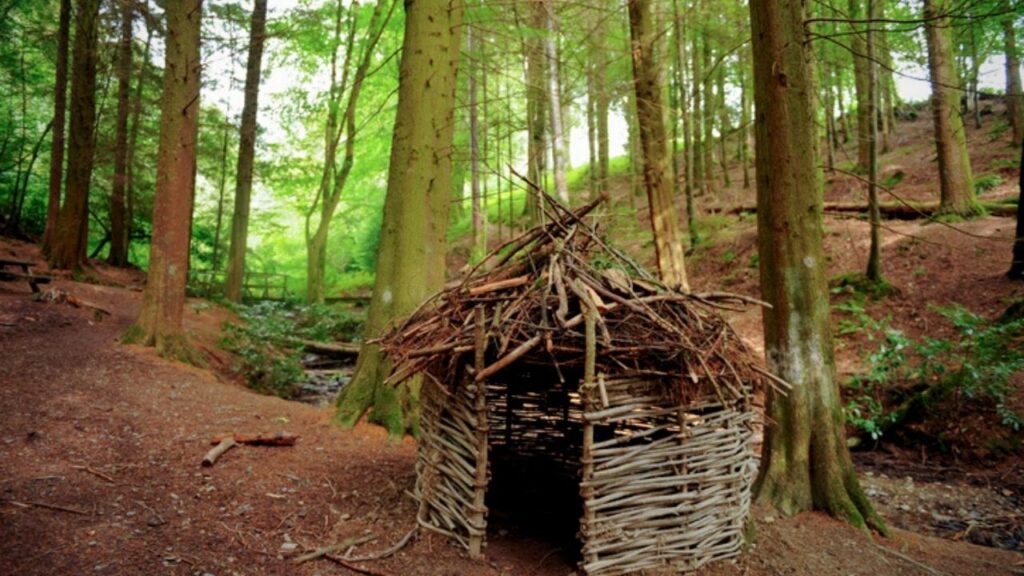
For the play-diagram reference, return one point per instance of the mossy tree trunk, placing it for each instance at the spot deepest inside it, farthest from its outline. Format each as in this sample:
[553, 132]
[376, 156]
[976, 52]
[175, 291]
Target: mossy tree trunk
[411, 255]
[246, 155]
[805, 464]
[163, 301]
[118, 255]
[650, 119]
[60, 99]
[955, 181]
[71, 234]
[1017, 265]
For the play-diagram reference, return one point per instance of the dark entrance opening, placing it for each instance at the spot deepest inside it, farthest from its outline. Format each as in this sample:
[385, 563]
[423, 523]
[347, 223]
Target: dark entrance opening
[535, 444]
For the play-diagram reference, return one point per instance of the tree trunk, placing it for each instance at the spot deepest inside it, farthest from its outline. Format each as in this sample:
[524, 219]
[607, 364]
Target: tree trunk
[226, 134]
[858, 45]
[68, 242]
[723, 126]
[601, 103]
[955, 180]
[805, 464]
[133, 136]
[479, 247]
[535, 108]
[706, 81]
[558, 162]
[650, 119]
[60, 94]
[1014, 92]
[333, 179]
[696, 122]
[163, 301]
[246, 155]
[1017, 265]
[118, 225]
[411, 255]
[874, 268]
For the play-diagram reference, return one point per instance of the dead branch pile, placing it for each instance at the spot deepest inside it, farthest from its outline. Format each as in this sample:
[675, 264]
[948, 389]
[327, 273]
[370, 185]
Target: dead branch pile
[537, 289]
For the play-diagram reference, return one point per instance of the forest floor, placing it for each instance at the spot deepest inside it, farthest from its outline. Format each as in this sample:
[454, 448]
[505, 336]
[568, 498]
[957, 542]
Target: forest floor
[101, 443]
[100, 450]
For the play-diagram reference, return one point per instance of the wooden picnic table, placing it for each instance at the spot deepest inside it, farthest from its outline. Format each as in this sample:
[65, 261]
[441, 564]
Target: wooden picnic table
[26, 274]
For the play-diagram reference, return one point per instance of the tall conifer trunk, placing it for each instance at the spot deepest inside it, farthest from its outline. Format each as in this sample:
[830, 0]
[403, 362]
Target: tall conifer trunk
[650, 119]
[163, 301]
[1014, 92]
[71, 235]
[246, 155]
[955, 181]
[60, 104]
[411, 255]
[805, 464]
[119, 228]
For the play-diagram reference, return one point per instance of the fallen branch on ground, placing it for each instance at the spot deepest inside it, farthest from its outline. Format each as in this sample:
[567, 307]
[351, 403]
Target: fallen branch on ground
[353, 567]
[31, 503]
[891, 211]
[223, 446]
[343, 545]
[276, 439]
[329, 348]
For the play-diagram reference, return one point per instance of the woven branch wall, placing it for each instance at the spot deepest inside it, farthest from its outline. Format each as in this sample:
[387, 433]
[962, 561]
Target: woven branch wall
[670, 489]
[664, 486]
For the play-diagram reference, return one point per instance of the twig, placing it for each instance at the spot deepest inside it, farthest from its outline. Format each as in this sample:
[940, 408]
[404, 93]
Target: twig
[49, 507]
[353, 567]
[385, 553]
[95, 473]
[344, 544]
[906, 558]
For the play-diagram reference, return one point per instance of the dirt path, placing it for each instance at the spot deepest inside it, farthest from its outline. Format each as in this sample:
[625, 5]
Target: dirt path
[100, 446]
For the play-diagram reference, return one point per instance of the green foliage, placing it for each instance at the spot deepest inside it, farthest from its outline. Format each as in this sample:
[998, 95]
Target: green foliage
[998, 128]
[894, 179]
[976, 364]
[986, 182]
[266, 341]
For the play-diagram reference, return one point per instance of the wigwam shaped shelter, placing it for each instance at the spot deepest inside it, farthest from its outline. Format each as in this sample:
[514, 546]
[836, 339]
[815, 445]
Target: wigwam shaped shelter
[558, 347]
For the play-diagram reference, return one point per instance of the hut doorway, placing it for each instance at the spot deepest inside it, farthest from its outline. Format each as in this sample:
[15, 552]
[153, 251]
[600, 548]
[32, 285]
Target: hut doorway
[535, 443]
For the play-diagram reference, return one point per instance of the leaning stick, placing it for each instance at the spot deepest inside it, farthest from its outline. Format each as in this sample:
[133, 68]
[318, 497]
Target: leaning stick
[509, 358]
[224, 445]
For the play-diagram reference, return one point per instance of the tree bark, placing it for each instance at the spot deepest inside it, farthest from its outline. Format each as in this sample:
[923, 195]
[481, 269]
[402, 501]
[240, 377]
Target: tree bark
[955, 180]
[558, 162]
[805, 464]
[858, 45]
[133, 135]
[874, 268]
[1014, 92]
[60, 95]
[479, 248]
[1017, 264]
[119, 228]
[411, 255]
[68, 242]
[163, 301]
[246, 155]
[535, 108]
[651, 124]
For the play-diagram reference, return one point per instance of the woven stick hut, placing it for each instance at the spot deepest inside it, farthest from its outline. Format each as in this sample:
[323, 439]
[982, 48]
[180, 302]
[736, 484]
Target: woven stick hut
[560, 347]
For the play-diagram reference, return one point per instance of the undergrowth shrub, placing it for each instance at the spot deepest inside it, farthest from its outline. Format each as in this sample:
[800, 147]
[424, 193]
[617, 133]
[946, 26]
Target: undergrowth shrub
[934, 379]
[266, 341]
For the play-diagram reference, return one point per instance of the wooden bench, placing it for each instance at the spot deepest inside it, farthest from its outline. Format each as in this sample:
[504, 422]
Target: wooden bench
[34, 280]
